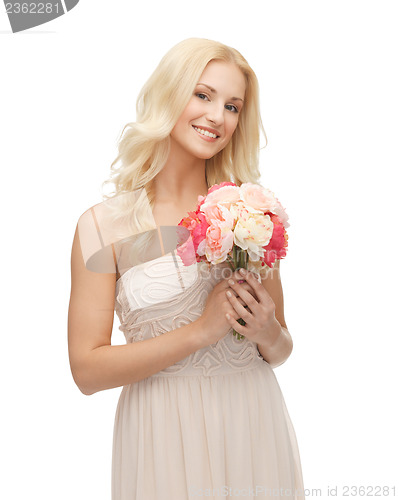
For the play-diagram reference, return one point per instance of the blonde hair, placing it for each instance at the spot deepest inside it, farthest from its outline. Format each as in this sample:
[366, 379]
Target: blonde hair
[144, 149]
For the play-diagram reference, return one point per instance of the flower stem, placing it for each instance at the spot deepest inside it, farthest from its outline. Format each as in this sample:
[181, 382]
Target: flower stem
[240, 260]
[229, 262]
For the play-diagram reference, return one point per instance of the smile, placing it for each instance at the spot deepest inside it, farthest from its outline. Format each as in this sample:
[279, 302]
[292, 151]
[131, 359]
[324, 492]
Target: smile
[205, 134]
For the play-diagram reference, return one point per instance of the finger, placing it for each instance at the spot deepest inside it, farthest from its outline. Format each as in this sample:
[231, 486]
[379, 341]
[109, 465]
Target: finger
[241, 301]
[251, 301]
[236, 296]
[259, 289]
[246, 287]
[238, 327]
[243, 311]
[238, 277]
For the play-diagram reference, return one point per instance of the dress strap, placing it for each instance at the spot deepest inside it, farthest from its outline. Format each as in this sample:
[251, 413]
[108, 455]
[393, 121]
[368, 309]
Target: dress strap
[178, 270]
[102, 241]
[116, 263]
[174, 258]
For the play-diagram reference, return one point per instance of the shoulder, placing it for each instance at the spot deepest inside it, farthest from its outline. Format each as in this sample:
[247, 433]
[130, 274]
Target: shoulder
[96, 236]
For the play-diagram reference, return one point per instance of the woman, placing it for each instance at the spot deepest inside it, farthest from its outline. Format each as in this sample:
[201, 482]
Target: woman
[201, 412]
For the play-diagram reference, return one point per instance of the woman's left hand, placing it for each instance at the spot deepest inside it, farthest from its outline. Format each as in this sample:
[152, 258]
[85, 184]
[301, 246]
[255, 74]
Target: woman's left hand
[259, 316]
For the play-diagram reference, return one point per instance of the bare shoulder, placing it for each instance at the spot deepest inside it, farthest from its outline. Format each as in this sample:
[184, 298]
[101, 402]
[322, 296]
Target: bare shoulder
[90, 278]
[93, 266]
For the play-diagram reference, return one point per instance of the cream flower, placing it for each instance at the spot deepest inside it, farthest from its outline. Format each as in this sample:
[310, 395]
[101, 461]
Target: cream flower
[253, 231]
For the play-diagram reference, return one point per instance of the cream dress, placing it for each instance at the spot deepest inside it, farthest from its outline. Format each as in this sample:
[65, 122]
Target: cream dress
[213, 425]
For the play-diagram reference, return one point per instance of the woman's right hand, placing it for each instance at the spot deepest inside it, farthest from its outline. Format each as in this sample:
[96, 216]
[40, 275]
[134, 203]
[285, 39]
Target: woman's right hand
[214, 324]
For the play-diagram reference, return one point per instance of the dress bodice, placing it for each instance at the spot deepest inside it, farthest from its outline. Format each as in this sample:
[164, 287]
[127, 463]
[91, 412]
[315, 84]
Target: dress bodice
[162, 295]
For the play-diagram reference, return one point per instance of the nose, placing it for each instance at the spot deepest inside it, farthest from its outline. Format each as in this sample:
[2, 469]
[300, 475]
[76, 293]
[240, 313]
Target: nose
[215, 113]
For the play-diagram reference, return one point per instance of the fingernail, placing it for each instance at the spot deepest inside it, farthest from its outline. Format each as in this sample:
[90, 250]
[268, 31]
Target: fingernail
[231, 282]
[242, 270]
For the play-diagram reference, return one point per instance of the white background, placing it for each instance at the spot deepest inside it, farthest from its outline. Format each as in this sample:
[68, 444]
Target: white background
[329, 84]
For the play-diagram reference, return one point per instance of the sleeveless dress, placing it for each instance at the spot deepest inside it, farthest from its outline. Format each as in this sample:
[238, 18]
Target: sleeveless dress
[213, 425]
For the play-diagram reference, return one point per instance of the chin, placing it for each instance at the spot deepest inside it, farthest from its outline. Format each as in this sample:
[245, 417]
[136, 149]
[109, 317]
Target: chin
[205, 156]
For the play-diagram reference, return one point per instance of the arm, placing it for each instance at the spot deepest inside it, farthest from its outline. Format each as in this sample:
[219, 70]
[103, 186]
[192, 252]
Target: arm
[279, 351]
[97, 365]
[281, 346]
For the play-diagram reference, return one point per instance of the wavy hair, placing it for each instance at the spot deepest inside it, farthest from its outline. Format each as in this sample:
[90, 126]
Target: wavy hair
[144, 148]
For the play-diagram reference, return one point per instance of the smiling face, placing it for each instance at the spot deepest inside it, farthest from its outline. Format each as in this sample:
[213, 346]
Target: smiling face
[214, 106]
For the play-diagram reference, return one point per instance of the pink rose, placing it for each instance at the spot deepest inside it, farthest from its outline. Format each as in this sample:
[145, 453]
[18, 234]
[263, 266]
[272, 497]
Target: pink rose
[219, 237]
[282, 214]
[225, 195]
[197, 225]
[258, 197]
[218, 186]
[263, 199]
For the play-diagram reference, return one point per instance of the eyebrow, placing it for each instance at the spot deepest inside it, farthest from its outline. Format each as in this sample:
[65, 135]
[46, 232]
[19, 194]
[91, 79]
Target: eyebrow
[214, 91]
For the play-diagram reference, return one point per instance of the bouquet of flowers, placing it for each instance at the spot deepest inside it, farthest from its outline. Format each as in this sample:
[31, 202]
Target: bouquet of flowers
[243, 225]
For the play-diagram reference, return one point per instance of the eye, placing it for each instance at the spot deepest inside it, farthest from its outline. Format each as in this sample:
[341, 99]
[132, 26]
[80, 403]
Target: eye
[236, 110]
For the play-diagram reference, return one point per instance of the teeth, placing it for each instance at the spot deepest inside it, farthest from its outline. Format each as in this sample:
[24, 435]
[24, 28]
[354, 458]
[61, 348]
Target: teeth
[205, 132]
